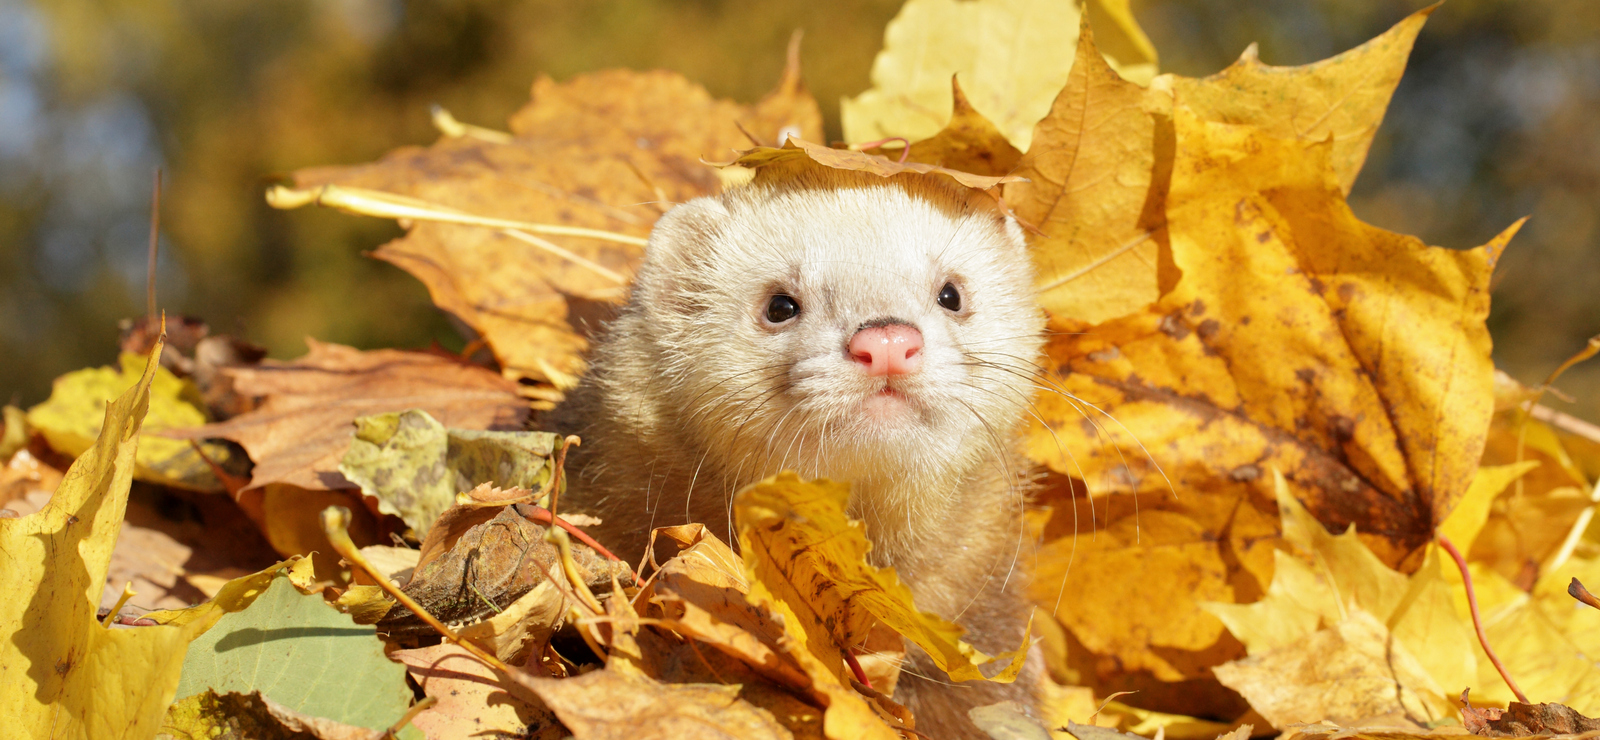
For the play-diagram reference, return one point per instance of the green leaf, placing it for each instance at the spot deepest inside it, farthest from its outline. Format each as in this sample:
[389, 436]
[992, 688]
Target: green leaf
[303, 654]
[415, 467]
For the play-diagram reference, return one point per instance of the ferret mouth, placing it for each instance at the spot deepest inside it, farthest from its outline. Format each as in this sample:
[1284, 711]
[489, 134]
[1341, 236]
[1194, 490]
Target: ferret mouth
[889, 404]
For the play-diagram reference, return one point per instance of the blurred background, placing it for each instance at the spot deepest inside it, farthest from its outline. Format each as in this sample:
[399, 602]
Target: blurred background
[1498, 117]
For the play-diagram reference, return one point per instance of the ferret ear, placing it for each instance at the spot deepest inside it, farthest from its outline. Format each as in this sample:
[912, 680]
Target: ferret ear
[683, 234]
[679, 246]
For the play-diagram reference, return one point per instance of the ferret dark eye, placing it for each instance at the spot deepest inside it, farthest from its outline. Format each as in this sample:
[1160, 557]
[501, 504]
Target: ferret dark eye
[949, 298]
[781, 308]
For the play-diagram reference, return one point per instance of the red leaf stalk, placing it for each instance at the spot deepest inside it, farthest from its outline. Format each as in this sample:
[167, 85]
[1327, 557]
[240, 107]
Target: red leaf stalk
[1477, 623]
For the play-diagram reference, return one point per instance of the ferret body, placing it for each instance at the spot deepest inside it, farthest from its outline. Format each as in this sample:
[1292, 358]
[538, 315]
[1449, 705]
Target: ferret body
[842, 325]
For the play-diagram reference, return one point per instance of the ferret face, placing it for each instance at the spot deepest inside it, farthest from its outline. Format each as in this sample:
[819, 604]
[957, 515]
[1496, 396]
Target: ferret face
[856, 331]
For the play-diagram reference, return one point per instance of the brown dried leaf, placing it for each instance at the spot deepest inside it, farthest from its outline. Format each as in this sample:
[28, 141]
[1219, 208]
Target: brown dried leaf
[603, 151]
[968, 143]
[484, 561]
[618, 703]
[474, 701]
[799, 150]
[701, 591]
[299, 435]
[1521, 720]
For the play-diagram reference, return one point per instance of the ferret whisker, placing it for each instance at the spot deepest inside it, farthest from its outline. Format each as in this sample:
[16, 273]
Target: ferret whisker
[1057, 389]
[716, 407]
[1072, 552]
[1030, 408]
[1060, 446]
[999, 454]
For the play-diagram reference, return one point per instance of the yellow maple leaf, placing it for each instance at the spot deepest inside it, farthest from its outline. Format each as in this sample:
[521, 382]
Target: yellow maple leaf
[1095, 192]
[1537, 522]
[1280, 347]
[801, 549]
[1347, 672]
[968, 143]
[1468, 517]
[70, 420]
[1342, 98]
[1321, 581]
[1012, 57]
[62, 672]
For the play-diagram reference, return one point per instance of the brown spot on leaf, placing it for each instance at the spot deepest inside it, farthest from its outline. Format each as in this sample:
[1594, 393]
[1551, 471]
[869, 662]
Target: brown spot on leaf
[1245, 473]
[1109, 354]
[1343, 428]
[1173, 327]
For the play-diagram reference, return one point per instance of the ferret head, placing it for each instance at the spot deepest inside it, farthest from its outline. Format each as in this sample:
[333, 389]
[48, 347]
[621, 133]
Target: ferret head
[843, 325]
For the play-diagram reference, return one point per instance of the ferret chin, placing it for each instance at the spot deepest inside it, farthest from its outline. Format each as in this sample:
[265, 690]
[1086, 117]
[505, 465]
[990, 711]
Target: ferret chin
[877, 331]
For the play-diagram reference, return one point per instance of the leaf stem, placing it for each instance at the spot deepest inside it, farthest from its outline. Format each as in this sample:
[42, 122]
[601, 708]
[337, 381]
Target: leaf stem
[1477, 622]
[405, 719]
[128, 593]
[855, 667]
[155, 241]
[1577, 591]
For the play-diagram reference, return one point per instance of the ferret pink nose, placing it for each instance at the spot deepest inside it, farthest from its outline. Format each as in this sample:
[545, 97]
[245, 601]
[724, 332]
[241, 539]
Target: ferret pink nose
[894, 349]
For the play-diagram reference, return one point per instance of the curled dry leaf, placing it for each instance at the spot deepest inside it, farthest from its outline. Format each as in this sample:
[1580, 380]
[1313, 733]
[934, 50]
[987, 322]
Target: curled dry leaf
[1012, 57]
[301, 432]
[1523, 720]
[799, 545]
[799, 150]
[701, 591]
[477, 562]
[607, 151]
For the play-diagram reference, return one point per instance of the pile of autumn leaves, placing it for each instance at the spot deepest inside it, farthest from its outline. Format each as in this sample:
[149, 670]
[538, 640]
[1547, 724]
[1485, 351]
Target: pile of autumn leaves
[1237, 365]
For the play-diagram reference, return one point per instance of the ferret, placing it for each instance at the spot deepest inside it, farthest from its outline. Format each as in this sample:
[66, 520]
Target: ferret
[879, 331]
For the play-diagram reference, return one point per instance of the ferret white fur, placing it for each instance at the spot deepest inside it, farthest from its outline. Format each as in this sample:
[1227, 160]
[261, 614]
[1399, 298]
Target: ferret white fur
[693, 392]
